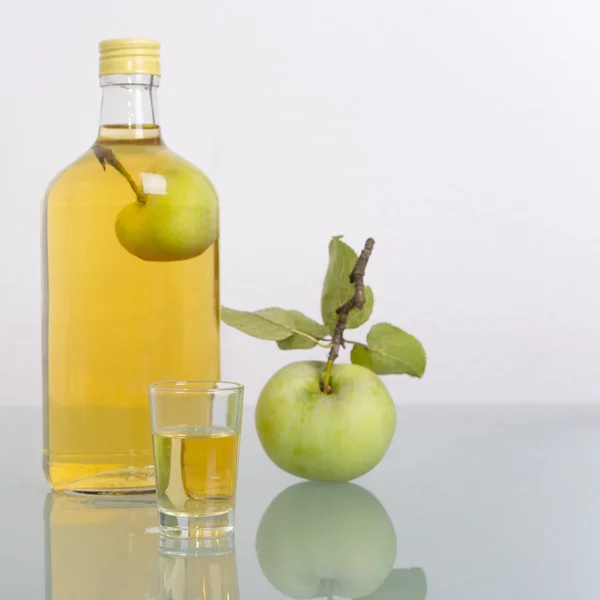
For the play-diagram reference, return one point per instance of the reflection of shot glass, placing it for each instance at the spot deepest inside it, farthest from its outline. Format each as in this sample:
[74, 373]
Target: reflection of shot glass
[206, 571]
[196, 428]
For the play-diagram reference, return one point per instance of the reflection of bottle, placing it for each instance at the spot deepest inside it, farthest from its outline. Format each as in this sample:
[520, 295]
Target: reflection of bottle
[205, 572]
[99, 550]
[130, 257]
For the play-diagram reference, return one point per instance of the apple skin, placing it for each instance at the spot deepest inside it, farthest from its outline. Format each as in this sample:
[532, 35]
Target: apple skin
[325, 437]
[323, 539]
[177, 225]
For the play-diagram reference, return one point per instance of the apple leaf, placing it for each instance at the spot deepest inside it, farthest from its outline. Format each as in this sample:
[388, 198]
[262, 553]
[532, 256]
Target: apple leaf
[390, 350]
[303, 324]
[264, 324]
[276, 324]
[402, 584]
[337, 289]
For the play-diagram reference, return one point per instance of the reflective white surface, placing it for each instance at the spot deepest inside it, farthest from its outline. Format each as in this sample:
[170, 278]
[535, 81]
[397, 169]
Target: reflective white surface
[481, 502]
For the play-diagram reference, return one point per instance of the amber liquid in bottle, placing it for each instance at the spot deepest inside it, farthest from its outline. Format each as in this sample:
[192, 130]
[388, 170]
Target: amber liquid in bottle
[114, 323]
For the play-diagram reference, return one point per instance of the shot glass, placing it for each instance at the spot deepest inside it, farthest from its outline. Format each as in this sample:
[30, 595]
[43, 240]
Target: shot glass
[196, 427]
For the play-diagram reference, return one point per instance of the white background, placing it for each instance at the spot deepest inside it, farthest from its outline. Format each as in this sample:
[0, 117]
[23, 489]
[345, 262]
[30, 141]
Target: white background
[463, 135]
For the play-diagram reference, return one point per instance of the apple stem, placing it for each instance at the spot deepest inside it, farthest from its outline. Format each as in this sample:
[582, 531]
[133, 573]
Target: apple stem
[357, 301]
[107, 156]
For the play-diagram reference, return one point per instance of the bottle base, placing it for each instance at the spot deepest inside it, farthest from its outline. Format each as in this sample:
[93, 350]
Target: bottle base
[96, 479]
[141, 491]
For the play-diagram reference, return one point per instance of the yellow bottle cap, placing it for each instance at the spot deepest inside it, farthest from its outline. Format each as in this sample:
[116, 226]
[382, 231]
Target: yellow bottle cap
[129, 55]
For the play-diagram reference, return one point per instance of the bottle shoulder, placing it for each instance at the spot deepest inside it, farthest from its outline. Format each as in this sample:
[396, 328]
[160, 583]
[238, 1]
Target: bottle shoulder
[180, 164]
[78, 181]
[67, 171]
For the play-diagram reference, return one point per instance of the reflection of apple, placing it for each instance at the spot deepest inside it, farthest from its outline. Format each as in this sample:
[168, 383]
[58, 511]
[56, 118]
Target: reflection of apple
[320, 539]
[325, 437]
[176, 220]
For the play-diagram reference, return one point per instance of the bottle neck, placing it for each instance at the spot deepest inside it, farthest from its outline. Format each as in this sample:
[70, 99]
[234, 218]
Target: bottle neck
[129, 109]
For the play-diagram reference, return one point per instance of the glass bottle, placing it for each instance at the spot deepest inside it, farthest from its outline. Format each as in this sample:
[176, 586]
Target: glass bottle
[130, 284]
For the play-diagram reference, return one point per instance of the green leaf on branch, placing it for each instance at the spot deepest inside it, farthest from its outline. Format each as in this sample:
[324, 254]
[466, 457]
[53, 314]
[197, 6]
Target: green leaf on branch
[306, 329]
[402, 584]
[276, 324]
[264, 324]
[390, 350]
[337, 289]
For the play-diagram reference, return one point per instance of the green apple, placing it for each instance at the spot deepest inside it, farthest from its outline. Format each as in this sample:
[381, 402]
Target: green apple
[325, 437]
[177, 219]
[322, 539]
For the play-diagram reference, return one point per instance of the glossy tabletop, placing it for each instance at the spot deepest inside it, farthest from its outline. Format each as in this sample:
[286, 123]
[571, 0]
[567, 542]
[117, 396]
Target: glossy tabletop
[471, 502]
